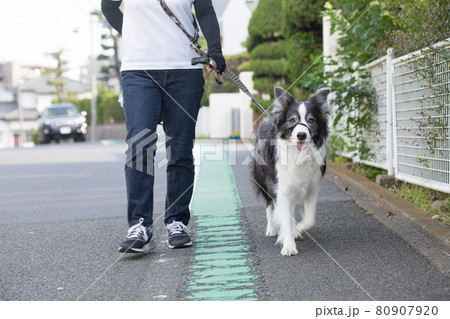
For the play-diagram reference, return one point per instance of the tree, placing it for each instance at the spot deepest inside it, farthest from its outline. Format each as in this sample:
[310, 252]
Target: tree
[302, 29]
[110, 48]
[363, 25]
[416, 24]
[108, 109]
[58, 81]
[368, 28]
[266, 45]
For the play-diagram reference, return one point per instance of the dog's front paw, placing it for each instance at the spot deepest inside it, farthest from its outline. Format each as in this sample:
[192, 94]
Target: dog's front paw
[270, 232]
[303, 227]
[298, 234]
[289, 250]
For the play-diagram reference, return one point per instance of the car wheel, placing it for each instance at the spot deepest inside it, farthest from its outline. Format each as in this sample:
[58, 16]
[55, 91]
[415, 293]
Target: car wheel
[80, 138]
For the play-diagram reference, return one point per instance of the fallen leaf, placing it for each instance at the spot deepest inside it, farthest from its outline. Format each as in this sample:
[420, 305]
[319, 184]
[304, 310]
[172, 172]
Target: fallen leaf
[390, 214]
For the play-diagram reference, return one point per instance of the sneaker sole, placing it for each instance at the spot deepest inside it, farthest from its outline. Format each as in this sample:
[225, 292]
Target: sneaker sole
[189, 244]
[149, 247]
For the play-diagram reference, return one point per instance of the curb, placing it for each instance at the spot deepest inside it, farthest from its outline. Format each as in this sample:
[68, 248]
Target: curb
[370, 195]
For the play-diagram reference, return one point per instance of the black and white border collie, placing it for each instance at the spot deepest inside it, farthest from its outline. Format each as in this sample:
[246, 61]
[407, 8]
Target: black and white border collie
[289, 162]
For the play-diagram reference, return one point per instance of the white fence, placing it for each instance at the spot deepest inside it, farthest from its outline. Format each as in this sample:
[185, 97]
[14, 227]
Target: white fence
[411, 138]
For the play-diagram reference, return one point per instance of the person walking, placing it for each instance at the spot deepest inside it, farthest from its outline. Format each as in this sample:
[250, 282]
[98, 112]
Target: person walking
[158, 78]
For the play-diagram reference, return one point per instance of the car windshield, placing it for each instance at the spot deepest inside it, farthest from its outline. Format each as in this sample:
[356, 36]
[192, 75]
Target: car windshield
[61, 111]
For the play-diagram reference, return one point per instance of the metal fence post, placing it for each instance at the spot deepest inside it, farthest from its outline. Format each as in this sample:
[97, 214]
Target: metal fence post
[390, 112]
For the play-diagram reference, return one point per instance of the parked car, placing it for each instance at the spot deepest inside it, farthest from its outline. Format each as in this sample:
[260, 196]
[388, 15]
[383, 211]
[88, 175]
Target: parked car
[62, 121]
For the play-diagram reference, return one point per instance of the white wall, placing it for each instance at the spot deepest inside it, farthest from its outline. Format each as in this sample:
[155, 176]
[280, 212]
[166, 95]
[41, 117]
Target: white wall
[216, 121]
[221, 106]
[330, 45]
[234, 23]
[203, 123]
[8, 129]
[31, 100]
[4, 136]
[28, 99]
[246, 110]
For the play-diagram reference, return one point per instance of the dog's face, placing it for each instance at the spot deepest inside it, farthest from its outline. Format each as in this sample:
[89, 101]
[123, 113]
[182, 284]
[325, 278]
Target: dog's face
[301, 122]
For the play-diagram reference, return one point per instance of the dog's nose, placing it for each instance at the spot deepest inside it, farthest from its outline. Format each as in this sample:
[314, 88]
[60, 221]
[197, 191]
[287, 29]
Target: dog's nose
[301, 136]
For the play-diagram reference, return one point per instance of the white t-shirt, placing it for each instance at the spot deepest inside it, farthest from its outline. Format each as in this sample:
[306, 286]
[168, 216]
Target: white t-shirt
[151, 40]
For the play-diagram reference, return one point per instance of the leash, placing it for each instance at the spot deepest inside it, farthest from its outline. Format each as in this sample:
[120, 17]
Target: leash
[203, 59]
[233, 77]
[194, 39]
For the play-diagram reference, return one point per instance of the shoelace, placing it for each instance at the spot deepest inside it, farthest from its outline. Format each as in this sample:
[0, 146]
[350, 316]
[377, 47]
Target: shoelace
[137, 230]
[176, 228]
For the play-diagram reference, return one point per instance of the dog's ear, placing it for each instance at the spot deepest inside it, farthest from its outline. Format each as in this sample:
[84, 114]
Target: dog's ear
[320, 99]
[282, 98]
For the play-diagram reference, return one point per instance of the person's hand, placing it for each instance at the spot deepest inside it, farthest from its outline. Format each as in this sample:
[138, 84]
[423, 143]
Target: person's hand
[217, 60]
[211, 66]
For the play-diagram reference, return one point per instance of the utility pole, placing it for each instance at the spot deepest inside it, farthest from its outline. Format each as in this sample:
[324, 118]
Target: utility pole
[22, 136]
[93, 124]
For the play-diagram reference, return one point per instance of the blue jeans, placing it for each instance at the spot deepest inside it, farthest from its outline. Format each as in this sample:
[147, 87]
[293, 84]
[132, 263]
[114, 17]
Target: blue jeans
[177, 95]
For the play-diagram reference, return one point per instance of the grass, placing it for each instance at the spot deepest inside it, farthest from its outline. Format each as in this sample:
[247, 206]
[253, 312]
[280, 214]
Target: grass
[339, 159]
[370, 212]
[419, 196]
[361, 169]
[424, 198]
[368, 171]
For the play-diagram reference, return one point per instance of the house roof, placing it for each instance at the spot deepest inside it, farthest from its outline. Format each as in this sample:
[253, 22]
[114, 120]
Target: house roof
[28, 115]
[7, 107]
[9, 112]
[40, 85]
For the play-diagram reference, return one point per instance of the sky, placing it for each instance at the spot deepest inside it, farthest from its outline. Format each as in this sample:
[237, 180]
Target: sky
[31, 28]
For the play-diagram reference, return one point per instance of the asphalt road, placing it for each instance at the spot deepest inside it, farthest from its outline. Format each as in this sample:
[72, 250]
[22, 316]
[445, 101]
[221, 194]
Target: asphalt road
[63, 215]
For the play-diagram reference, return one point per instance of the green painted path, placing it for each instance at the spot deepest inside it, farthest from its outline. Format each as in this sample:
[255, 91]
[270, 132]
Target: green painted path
[221, 266]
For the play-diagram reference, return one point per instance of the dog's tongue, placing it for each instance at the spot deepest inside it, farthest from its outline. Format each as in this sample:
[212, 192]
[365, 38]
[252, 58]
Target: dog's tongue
[301, 146]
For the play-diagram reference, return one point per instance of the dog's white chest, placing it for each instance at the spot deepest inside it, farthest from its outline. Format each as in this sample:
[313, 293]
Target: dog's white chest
[296, 170]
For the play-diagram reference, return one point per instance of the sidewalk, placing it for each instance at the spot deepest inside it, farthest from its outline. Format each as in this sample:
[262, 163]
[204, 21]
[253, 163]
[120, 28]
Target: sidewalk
[406, 220]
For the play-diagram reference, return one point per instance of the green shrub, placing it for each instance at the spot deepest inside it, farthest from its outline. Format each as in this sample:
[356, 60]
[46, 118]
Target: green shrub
[270, 50]
[445, 207]
[272, 68]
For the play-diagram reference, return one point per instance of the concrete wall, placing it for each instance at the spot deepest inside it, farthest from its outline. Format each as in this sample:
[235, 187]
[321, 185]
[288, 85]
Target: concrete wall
[245, 108]
[221, 108]
[115, 131]
[203, 123]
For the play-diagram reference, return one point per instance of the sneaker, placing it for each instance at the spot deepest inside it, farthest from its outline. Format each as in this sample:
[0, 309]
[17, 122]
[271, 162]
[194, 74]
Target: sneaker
[139, 239]
[178, 235]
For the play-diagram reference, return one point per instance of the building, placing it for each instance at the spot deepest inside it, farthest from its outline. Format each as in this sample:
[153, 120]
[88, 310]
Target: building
[13, 74]
[11, 127]
[234, 22]
[20, 107]
[234, 16]
[38, 93]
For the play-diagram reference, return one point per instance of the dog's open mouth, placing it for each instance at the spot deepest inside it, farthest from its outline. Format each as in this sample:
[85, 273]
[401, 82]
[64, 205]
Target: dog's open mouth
[301, 145]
